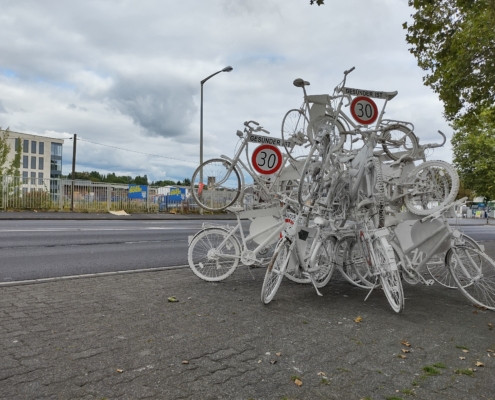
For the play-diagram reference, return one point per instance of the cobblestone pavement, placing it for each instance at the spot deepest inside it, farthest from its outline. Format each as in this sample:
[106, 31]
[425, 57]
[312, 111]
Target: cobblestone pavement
[118, 337]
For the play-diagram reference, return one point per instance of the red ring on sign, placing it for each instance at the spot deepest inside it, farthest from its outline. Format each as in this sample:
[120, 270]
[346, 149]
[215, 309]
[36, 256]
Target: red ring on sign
[260, 149]
[372, 103]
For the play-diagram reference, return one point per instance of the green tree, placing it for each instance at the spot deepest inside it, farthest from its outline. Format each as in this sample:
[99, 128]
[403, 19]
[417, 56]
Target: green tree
[474, 153]
[454, 41]
[141, 180]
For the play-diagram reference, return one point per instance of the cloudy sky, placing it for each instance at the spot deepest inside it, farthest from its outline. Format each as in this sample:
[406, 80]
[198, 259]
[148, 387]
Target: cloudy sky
[126, 74]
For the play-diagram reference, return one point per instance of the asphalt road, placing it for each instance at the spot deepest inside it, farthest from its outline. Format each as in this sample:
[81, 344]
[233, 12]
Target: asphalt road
[40, 249]
[44, 249]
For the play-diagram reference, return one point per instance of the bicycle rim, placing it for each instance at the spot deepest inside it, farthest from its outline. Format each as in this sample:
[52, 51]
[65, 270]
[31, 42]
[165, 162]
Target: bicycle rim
[216, 188]
[474, 274]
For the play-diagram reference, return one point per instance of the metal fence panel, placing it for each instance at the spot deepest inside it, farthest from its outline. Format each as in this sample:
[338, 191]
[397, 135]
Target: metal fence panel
[21, 193]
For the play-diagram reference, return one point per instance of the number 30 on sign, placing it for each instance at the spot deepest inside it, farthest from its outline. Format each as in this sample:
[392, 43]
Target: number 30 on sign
[364, 110]
[266, 159]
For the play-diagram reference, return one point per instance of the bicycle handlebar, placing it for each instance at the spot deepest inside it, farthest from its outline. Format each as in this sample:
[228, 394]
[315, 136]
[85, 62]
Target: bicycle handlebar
[349, 70]
[258, 128]
[434, 145]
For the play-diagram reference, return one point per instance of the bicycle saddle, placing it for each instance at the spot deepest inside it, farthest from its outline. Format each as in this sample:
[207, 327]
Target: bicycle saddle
[300, 82]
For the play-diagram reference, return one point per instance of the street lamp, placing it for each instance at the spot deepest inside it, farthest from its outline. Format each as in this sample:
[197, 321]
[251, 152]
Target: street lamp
[226, 69]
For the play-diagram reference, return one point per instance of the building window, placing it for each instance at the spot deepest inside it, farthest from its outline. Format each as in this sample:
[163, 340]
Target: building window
[40, 178]
[25, 162]
[33, 178]
[57, 149]
[25, 146]
[33, 146]
[41, 163]
[56, 165]
[41, 148]
[24, 177]
[33, 162]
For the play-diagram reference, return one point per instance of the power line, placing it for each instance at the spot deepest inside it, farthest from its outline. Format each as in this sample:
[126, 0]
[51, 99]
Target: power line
[134, 151]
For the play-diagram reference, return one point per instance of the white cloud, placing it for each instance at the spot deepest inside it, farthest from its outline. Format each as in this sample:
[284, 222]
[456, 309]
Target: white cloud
[128, 74]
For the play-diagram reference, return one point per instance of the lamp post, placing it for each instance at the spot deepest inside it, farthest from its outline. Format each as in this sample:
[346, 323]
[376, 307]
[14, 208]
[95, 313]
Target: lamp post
[226, 69]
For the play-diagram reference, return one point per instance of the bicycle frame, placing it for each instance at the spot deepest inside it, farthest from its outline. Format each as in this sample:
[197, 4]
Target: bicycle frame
[249, 169]
[449, 234]
[275, 228]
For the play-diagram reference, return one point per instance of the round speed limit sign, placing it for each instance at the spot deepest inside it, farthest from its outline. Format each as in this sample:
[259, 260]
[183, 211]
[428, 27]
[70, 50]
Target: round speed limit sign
[266, 159]
[364, 110]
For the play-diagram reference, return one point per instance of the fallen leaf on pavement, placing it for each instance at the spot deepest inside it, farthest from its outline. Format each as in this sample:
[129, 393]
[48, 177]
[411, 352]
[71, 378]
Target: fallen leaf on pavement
[401, 356]
[321, 374]
[278, 354]
[479, 364]
[120, 370]
[273, 362]
[405, 343]
[358, 319]
[490, 350]
[185, 362]
[406, 350]
[462, 358]
[465, 351]
[172, 299]
[298, 382]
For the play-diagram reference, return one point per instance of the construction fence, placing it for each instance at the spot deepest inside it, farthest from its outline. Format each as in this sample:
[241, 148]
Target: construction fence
[22, 193]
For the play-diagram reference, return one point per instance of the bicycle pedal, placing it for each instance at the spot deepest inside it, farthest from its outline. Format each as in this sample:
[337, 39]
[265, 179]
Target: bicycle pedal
[429, 282]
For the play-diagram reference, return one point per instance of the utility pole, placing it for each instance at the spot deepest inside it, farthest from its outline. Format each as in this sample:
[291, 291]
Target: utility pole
[73, 171]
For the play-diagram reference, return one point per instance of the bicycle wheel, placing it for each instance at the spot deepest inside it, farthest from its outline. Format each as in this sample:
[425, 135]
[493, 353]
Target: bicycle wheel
[312, 173]
[389, 276]
[474, 273]
[434, 184]
[399, 140]
[364, 263]
[438, 269]
[402, 266]
[294, 133]
[328, 126]
[341, 260]
[275, 271]
[339, 200]
[213, 255]
[222, 188]
[322, 259]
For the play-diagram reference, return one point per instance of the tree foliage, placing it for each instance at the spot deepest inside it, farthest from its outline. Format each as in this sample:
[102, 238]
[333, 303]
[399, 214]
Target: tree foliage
[319, 2]
[11, 168]
[454, 41]
[474, 153]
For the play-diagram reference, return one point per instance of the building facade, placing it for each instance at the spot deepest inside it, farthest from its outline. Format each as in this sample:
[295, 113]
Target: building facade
[41, 156]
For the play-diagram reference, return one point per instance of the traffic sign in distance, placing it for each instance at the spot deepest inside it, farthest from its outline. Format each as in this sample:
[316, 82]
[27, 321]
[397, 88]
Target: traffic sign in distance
[266, 159]
[364, 110]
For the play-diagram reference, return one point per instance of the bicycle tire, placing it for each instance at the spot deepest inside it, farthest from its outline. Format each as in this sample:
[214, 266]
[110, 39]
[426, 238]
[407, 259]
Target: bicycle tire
[312, 173]
[322, 257]
[350, 258]
[440, 272]
[339, 201]
[435, 184]
[333, 129]
[389, 276]
[275, 271]
[474, 273]
[295, 126]
[220, 195]
[399, 133]
[378, 194]
[205, 260]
